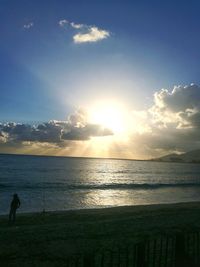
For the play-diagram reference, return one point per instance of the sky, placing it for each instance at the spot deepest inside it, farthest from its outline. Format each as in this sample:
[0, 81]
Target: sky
[99, 78]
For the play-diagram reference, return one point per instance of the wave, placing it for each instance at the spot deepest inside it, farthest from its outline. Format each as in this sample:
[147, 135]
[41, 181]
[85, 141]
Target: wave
[132, 186]
[111, 186]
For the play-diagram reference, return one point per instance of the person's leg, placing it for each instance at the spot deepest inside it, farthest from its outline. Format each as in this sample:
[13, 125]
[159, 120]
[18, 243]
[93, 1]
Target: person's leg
[14, 215]
[10, 215]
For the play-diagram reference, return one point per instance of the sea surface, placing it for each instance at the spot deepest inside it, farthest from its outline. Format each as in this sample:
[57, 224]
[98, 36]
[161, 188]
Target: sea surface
[56, 183]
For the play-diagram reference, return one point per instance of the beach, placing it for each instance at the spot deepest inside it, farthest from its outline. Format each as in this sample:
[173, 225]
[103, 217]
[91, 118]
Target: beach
[47, 239]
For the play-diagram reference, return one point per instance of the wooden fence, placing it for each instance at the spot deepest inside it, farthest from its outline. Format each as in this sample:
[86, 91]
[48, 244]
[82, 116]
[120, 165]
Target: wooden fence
[178, 250]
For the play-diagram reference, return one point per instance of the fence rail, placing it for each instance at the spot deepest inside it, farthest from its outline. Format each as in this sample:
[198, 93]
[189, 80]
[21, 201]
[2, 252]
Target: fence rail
[178, 250]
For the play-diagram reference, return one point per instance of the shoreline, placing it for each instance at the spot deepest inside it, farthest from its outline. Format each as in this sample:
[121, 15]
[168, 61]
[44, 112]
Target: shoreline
[101, 210]
[113, 209]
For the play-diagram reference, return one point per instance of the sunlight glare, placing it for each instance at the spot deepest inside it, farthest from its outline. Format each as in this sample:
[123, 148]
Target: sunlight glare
[110, 114]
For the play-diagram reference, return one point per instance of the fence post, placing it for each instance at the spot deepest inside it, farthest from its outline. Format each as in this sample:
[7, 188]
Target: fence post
[88, 260]
[179, 249]
[141, 255]
[181, 257]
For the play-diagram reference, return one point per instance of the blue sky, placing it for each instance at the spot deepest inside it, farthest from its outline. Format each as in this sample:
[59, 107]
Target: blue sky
[152, 45]
[141, 47]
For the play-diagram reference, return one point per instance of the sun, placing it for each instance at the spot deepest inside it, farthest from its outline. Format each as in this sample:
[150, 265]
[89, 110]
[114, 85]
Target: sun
[109, 114]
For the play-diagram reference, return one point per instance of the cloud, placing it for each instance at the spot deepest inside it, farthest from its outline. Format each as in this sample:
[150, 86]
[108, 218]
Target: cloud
[77, 26]
[28, 25]
[75, 128]
[173, 122]
[170, 124]
[86, 132]
[181, 106]
[86, 33]
[63, 22]
[93, 35]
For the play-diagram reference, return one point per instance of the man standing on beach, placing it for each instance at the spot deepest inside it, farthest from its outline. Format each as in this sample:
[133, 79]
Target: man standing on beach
[15, 204]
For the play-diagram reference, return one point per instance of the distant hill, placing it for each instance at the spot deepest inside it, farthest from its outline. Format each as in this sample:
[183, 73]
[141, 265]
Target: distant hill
[191, 156]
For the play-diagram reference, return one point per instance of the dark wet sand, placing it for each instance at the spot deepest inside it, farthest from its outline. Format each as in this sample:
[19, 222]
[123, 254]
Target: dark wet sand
[47, 239]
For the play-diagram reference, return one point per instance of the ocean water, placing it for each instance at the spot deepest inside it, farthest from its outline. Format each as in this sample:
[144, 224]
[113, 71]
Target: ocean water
[55, 183]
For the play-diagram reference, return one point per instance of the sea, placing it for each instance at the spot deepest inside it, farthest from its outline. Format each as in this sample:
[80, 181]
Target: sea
[64, 183]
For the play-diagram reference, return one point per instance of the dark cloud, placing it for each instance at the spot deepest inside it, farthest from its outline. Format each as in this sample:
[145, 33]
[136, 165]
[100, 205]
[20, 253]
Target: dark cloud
[180, 99]
[75, 128]
[86, 132]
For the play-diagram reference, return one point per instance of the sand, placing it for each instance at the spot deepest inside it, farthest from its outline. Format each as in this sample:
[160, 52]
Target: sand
[47, 239]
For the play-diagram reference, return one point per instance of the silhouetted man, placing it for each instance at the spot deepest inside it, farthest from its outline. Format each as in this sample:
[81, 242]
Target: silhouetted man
[15, 203]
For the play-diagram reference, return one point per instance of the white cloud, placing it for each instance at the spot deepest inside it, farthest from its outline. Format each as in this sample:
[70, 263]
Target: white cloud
[85, 33]
[173, 122]
[77, 26]
[180, 106]
[93, 34]
[63, 22]
[28, 25]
